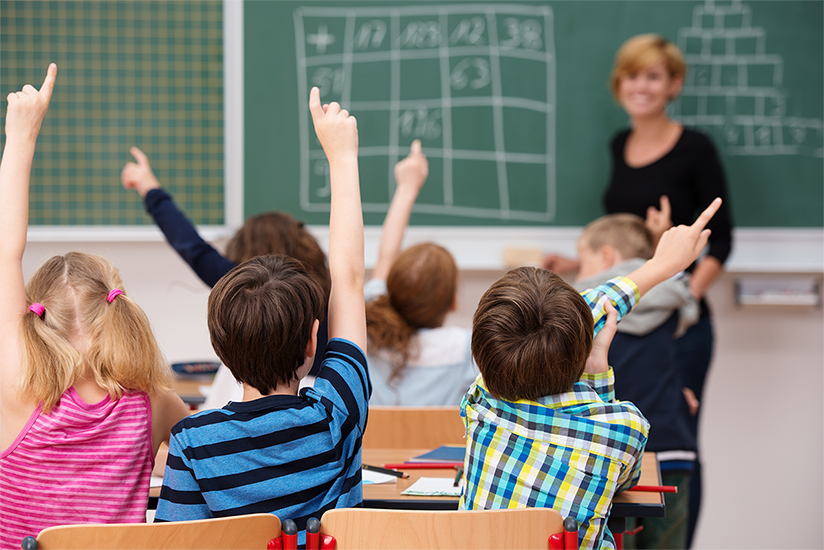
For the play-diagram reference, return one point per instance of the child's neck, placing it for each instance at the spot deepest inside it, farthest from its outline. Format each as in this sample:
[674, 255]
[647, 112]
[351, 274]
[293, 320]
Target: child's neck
[250, 393]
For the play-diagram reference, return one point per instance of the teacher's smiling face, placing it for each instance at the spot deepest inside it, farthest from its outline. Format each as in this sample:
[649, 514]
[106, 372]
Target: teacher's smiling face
[646, 93]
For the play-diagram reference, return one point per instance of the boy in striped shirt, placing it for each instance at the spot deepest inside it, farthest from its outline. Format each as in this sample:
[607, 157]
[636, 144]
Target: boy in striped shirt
[279, 451]
[543, 427]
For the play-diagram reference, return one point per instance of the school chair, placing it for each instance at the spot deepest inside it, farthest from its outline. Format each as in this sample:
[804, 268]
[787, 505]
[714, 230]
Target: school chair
[413, 427]
[253, 531]
[522, 528]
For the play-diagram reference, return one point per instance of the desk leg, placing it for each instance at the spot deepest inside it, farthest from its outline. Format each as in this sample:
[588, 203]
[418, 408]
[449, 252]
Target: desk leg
[617, 526]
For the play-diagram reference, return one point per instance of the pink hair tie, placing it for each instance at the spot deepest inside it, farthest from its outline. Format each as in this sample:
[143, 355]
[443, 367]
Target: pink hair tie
[113, 294]
[37, 309]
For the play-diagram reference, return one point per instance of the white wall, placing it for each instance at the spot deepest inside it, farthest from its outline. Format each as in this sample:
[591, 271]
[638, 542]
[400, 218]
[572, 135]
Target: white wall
[763, 418]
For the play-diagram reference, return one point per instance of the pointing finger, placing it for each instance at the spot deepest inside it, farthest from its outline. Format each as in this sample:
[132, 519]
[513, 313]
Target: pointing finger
[666, 209]
[139, 156]
[48, 84]
[707, 214]
[314, 104]
[416, 147]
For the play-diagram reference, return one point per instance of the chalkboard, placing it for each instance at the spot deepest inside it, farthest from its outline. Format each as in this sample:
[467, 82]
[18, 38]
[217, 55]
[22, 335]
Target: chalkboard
[129, 73]
[512, 105]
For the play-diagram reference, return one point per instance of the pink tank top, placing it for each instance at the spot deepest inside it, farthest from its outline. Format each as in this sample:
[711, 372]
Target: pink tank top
[80, 463]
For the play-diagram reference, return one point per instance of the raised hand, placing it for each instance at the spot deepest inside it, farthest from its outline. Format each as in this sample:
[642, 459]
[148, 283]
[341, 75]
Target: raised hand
[139, 176]
[657, 220]
[28, 107]
[336, 129]
[413, 170]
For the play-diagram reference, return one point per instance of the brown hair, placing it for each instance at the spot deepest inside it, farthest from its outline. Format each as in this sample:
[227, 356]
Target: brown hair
[531, 335]
[260, 318]
[123, 354]
[280, 233]
[420, 290]
[642, 51]
[626, 233]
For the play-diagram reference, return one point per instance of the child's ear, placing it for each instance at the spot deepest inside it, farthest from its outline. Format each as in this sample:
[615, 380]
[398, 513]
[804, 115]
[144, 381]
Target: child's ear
[312, 346]
[609, 256]
[454, 306]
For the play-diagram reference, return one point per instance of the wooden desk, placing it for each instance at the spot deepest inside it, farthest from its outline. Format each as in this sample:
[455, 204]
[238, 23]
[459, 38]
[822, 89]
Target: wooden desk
[388, 495]
[187, 386]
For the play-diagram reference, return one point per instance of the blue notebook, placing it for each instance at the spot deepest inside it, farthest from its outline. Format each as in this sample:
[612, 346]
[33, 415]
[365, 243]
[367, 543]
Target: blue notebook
[444, 453]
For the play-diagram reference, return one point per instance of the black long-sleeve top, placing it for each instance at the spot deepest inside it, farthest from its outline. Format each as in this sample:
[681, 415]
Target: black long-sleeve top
[691, 176]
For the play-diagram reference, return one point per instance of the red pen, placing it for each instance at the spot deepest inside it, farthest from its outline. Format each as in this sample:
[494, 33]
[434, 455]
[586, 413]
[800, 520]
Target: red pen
[312, 534]
[290, 534]
[654, 488]
[424, 465]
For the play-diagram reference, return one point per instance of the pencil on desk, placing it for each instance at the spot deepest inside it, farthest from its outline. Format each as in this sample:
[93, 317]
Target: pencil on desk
[385, 471]
[458, 477]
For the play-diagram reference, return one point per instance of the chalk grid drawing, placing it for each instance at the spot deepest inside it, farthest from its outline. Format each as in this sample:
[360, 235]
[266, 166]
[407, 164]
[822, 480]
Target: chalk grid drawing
[452, 76]
[734, 87]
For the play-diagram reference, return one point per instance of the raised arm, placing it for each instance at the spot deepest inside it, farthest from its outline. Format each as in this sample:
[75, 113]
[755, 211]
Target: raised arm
[410, 175]
[676, 250]
[24, 116]
[338, 134]
[209, 264]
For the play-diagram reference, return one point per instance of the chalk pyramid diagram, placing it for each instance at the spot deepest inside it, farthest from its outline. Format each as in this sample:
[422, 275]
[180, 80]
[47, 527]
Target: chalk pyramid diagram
[734, 86]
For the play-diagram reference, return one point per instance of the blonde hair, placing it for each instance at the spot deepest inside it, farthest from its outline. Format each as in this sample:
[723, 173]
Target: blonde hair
[420, 291]
[123, 352]
[642, 51]
[626, 233]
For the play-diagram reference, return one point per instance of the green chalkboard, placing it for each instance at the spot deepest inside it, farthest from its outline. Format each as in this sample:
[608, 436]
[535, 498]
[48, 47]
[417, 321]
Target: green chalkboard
[129, 73]
[511, 103]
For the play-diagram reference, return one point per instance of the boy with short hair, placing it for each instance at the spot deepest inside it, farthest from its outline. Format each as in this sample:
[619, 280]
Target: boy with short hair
[277, 451]
[642, 355]
[535, 435]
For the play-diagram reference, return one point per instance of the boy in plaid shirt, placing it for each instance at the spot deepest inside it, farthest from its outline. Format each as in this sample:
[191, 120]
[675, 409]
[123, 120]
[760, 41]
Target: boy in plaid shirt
[543, 427]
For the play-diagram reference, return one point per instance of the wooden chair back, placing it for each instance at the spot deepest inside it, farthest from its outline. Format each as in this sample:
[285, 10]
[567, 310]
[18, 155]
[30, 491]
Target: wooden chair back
[233, 533]
[413, 427]
[428, 530]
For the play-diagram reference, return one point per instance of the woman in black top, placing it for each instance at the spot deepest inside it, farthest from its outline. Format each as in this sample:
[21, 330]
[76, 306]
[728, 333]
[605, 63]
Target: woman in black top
[667, 174]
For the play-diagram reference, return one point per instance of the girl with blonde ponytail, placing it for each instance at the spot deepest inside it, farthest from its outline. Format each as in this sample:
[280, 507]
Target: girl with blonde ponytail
[413, 359]
[85, 393]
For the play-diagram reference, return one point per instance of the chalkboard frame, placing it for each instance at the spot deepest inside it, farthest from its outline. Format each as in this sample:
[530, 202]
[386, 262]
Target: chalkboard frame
[233, 158]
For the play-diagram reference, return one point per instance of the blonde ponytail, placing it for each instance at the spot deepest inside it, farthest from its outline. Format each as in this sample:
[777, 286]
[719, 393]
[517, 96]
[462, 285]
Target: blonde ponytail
[58, 363]
[124, 354]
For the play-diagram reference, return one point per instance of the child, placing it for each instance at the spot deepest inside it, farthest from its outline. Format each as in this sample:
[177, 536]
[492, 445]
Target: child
[267, 233]
[279, 452]
[642, 355]
[85, 397]
[536, 435]
[414, 360]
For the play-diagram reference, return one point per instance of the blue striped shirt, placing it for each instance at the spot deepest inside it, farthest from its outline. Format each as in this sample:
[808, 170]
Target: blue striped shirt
[293, 456]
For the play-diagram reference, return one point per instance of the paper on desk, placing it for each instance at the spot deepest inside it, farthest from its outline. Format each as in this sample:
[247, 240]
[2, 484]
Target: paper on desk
[371, 477]
[434, 487]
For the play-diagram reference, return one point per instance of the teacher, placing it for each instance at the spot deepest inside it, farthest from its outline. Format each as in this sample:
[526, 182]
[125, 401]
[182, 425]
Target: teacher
[666, 173]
